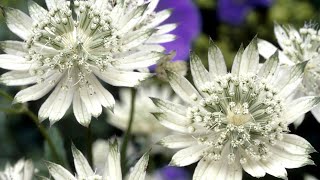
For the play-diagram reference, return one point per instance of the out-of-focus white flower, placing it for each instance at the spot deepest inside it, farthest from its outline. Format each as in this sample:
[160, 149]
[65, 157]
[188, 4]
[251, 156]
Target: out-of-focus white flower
[299, 46]
[112, 168]
[144, 122]
[236, 120]
[309, 177]
[22, 170]
[69, 46]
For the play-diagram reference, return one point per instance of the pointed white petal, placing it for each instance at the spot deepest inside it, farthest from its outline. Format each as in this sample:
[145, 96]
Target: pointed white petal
[14, 47]
[139, 170]
[202, 170]
[199, 73]
[183, 88]
[80, 111]
[113, 167]
[295, 145]
[181, 125]
[81, 164]
[252, 167]
[316, 112]
[289, 160]
[17, 78]
[159, 17]
[58, 102]
[12, 62]
[188, 155]
[51, 4]
[18, 22]
[269, 68]
[58, 172]
[300, 106]
[217, 65]
[90, 100]
[37, 91]
[281, 35]
[177, 141]
[163, 29]
[121, 78]
[299, 120]
[237, 60]
[105, 97]
[36, 12]
[161, 38]
[135, 39]
[266, 49]
[274, 168]
[164, 105]
[138, 60]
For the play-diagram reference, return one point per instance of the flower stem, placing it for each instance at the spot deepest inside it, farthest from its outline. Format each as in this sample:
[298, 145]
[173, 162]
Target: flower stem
[127, 135]
[24, 110]
[89, 144]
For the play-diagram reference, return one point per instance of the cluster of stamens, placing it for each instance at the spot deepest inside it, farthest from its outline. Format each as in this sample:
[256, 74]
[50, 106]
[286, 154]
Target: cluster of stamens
[241, 112]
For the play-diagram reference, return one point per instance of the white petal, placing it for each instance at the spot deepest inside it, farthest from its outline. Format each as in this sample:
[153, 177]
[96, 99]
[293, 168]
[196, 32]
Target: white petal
[316, 112]
[164, 105]
[81, 164]
[17, 78]
[269, 68]
[163, 29]
[180, 125]
[299, 120]
[177, 141]
[266, 49]
[199, 73]
[249, 60]
[58, 102]
[121, 78]
[300, 106]
[80, 111]
[18, 22]
[105, 97]
[138, 60]
[252, 167]
[51, 4]
[113, 167]
[274, 168]
[159, 17]
[295, 145]
[217, 64]
[14, 47]
[188, 155]
[162, 38]
[183, 88]
[135, 39]
[37, 91]
[36, 12]
[139, 170]
[202, 170]
[12, 62]
[90, 100]
[236, 62]
[281, 35]
[58, 172]
[289, 160]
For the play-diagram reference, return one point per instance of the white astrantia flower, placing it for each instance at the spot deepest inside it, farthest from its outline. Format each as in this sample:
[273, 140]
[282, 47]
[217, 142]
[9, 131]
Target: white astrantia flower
[144, 122]
[22, 170]
[236, 120]
[112, 169]
[69, 46]
[299, 46]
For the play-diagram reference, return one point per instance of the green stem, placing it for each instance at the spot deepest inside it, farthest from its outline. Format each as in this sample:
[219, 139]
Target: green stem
[35, 119]
[127, 135]
[89, 145]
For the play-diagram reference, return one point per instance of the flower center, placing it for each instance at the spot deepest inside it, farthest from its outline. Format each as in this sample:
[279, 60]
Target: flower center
[239, 111]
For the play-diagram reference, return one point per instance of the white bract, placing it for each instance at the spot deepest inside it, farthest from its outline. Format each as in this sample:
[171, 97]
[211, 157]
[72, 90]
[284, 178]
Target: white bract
[299, 46]
[112, 168]
[22, 170]
[68, 46]
[236, 120]
[144, 122]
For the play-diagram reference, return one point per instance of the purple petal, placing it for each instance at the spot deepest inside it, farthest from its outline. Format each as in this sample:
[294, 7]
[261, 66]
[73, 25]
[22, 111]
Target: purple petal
[233, 11]
[170, 173]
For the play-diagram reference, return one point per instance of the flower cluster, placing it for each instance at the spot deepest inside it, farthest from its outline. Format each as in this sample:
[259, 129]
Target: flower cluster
[299, 46]
[69, 45]
[237, 120]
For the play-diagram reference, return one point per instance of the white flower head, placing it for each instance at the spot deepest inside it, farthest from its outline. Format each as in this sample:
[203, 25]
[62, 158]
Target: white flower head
[236, 120]
[22, 170]
[68, 46]
[112, 169]
[299, 46]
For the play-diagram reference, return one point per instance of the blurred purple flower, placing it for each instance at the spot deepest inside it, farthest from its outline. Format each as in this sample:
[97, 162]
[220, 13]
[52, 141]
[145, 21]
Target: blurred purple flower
[171, 172]
[235, 11]
[187, 16]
